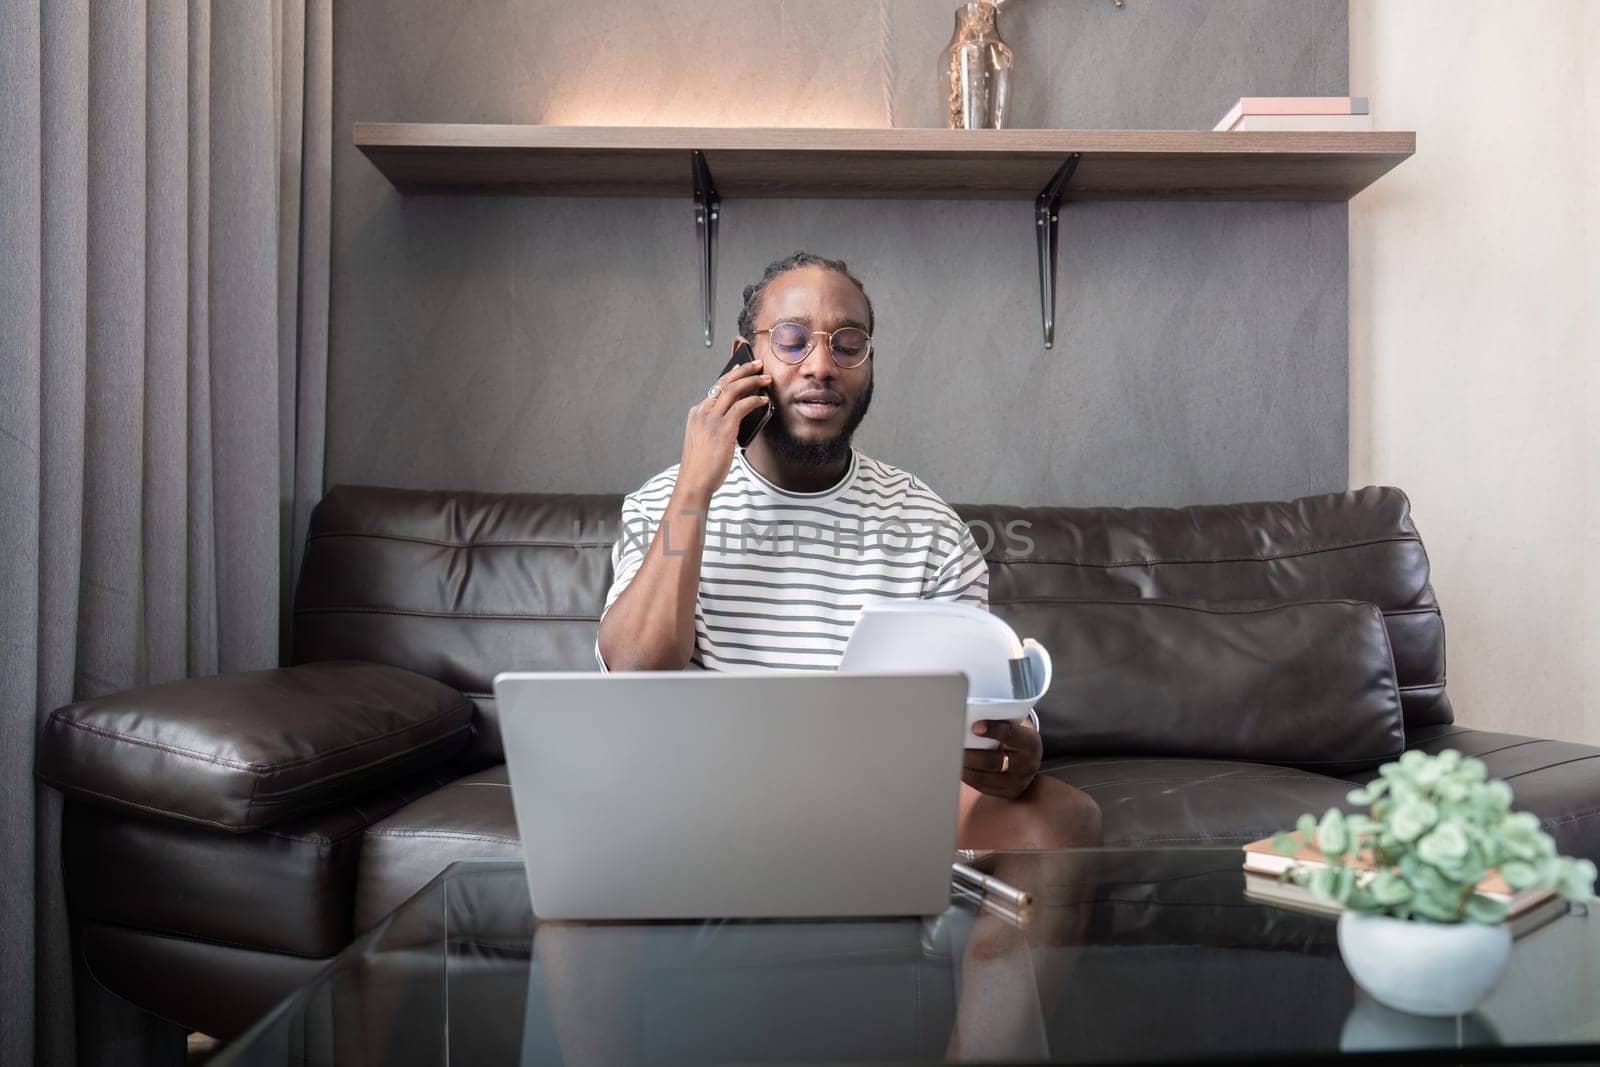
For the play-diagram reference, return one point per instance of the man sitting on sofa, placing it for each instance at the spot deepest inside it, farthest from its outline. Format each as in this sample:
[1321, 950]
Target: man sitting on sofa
[757, 559]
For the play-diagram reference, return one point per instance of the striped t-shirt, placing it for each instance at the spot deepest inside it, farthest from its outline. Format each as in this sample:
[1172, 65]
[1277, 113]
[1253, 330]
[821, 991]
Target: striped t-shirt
[783, 574]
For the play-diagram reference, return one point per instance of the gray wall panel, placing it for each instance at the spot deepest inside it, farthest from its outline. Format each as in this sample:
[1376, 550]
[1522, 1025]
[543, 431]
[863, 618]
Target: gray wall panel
[554, 344]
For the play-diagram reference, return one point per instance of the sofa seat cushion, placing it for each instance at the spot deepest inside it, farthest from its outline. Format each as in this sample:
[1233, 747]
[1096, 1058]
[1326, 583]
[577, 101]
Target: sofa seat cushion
[245, 750]
[469, 819]
[1155, 802]
[287, 889]
[1559, 781]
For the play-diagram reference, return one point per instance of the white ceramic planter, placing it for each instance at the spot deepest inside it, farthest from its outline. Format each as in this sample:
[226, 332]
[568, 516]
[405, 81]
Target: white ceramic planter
[1422, 967]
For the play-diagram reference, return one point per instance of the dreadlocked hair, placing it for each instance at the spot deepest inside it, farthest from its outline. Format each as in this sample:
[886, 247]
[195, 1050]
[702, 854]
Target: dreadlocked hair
[753, 293]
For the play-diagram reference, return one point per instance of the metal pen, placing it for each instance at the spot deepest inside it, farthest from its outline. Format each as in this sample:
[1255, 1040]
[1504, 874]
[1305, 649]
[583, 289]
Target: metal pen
[1018, 917]
[1017, 898]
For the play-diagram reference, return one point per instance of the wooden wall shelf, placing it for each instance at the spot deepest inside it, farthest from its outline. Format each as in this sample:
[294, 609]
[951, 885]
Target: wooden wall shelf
[900, 164]
[1046, 166]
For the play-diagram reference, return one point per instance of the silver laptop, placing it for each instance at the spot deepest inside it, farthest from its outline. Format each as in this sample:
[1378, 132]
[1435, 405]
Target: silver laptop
[670, 795]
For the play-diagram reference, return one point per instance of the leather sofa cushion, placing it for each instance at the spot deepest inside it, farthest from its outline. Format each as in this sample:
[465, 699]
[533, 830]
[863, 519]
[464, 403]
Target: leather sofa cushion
[456, 585]
[469, 819]
[289, 888]
[1357, 545]
[1179, 802]
[460, 585]
[1308, 684]
[1154, 802]
[242, 751]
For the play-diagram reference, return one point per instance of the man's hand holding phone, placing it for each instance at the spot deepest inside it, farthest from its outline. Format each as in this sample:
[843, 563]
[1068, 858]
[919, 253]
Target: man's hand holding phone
[651, 626]
[712, 430]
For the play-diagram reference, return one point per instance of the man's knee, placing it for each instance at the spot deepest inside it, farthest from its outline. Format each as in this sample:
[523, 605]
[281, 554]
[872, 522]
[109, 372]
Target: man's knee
[1051, 814]
[1063, 815]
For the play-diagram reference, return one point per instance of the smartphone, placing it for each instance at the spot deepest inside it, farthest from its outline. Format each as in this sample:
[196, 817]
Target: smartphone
[751, 424]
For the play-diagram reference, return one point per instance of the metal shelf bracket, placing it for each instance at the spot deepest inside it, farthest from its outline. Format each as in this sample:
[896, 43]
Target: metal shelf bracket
[1046, 221]
[707, 206]
[1046, 215]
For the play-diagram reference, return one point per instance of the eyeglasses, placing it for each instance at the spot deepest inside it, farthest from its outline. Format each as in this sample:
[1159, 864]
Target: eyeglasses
[791, 342]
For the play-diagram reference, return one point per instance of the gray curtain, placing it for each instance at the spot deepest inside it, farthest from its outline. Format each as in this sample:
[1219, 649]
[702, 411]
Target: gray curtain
[164, 222]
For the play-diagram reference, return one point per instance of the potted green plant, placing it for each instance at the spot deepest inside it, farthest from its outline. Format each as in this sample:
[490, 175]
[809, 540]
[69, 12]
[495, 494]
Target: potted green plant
[1416, 931]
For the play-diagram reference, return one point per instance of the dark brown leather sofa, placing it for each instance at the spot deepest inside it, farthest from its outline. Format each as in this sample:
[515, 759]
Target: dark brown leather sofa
[1219, 671]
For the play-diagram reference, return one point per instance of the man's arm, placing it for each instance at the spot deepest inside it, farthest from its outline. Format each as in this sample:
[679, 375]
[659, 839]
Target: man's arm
[650, 626]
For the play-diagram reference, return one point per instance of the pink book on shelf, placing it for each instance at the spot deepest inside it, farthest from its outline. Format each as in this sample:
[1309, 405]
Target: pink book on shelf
[1292, 105]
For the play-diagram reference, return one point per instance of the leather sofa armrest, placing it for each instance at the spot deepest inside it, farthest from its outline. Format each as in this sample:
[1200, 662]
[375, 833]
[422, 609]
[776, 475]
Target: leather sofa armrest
[240, 751]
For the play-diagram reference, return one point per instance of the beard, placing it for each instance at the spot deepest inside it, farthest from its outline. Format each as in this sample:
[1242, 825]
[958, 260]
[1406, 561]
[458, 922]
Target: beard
[825, 453]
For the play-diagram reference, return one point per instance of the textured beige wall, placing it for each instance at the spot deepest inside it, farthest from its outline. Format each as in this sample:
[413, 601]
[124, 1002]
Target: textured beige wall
[1475, 336]
[554, 343]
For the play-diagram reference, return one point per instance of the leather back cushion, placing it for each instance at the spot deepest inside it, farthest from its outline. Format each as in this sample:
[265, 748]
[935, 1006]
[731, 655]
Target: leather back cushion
[1359, 545]
[461, 585]
[1308, 683]
[456, 585]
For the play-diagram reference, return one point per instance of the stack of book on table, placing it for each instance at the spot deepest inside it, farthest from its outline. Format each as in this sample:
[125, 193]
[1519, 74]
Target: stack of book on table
[1304, 113]
[1526, 909]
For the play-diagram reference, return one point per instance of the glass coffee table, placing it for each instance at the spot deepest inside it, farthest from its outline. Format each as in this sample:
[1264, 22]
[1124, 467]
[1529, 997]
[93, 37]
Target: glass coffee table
[1127, 955]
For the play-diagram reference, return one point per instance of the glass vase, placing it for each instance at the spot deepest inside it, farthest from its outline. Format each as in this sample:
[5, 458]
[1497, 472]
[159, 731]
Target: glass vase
[976, 70]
